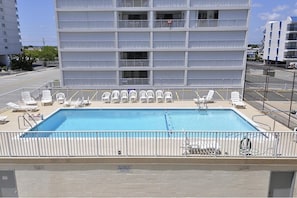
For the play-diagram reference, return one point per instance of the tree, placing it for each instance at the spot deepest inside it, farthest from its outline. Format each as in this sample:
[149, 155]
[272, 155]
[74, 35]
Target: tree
[48, 53]
[22, 61]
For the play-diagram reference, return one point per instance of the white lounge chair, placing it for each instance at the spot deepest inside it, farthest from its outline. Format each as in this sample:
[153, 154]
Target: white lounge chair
[86, 102]
[168, 96]
[142, 96]
[27, 99]
[46, 97]
[106, 97]
[236, 100]
[205, 99]
[124, 96]
[159, 96]
[150, 96]
[3, 119]
[115, 96]
[60, 97]
[16, 107]
[203, 148]
[133, 96]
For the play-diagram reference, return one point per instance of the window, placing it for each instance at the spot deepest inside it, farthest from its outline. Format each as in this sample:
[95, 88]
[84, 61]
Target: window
[135, 74]
[208, 14]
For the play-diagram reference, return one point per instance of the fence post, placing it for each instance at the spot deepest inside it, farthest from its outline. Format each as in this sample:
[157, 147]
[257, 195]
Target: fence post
[292, 97]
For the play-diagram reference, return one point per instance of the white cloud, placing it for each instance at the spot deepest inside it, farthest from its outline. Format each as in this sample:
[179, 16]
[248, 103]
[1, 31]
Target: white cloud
[295, 12]
[280, 8]
[269, 16]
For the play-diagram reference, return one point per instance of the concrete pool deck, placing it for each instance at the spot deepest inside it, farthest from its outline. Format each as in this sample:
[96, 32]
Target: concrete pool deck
[15, 120]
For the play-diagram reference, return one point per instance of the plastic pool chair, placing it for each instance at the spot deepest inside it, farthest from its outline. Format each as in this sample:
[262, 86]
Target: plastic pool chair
[60, 97]
[106, 97]
[115, 96]
[143, 96]
[236, 100]
[16, 107]
[46, 97]
[133, 96]
[150, 96]
[168, 96]
[159, 96]
[27, 99]
[124, 96]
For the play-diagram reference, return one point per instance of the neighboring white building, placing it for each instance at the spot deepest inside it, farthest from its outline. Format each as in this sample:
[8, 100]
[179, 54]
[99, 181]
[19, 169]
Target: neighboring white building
[280, 41]
[10, 39]
[152, 43]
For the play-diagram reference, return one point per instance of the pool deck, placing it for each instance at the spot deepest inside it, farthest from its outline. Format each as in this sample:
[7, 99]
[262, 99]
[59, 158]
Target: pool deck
[249, 112]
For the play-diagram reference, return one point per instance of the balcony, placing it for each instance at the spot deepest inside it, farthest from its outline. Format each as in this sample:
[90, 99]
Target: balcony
[218, 3]
[79, 24]
[236, 43]
[292, 27]
[133, 24]
[88, 64]
[214, 63]
[134, 81]
[169, 44]
[134, 44]
[86, 44]
[134, 63]
[169, 23]
[133, 3]
[84, 4]
[170, 3]
[219, 23]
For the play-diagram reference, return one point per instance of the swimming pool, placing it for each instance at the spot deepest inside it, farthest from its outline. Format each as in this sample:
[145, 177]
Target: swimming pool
[168, 120]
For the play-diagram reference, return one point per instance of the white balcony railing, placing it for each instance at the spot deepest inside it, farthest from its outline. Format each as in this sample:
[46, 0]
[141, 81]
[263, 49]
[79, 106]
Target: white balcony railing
[218, 23]
[134, 81]
[134, 44]
[149, 143]
[86, 44]
[171, 23]
[133, 3]
[134, 63]
[88, 64]
[218, 3]
[170, 62]
[84, 4]
[217, 44]
[214, 63]
[67, 24]
[133, 23]
[168, 44]
[170, 3]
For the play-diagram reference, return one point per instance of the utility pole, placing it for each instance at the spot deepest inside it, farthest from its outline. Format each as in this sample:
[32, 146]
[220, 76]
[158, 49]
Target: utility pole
[43, 41]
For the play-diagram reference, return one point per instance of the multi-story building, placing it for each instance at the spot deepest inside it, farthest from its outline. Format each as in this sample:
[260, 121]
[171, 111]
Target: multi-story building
[280, 41]
[10, 40]
[152, 43]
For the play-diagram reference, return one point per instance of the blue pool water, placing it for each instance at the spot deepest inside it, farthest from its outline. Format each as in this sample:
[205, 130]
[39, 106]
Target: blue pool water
[67, 120]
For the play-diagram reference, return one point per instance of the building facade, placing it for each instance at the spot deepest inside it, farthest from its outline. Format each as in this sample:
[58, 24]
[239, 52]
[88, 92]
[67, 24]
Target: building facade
[10, 39]
[152, 43]
[280, 41]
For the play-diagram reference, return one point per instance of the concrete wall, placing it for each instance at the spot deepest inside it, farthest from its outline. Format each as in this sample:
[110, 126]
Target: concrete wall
[142, 177]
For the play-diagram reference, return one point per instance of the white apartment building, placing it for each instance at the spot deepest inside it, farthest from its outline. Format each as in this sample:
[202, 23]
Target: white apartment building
[152, 43]
[10, 40]
[280, 41]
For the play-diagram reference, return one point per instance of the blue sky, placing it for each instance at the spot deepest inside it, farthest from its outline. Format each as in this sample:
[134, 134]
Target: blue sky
[37, 19]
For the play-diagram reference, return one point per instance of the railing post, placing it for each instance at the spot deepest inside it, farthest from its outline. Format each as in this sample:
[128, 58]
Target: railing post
[8, 144]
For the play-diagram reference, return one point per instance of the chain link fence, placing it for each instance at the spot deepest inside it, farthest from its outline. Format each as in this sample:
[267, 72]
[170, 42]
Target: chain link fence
[272, 90]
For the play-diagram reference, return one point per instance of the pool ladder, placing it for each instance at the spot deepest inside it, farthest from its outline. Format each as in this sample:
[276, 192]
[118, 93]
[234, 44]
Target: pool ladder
[26, 120]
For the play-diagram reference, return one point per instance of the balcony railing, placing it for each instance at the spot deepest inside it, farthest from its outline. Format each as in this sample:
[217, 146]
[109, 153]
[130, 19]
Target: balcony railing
[87, 44]
[219, 3]
[88, 64]
[218, 23]
[134, 63]
[170, 62]
[134, 81]
[170, 3]
[218, 44]
[67, 24]
[169, 23]
[169, 44]
[133, 3]
[214, 63]
[133, 23]
[84, 4]
[148, 143]
[134, 44]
